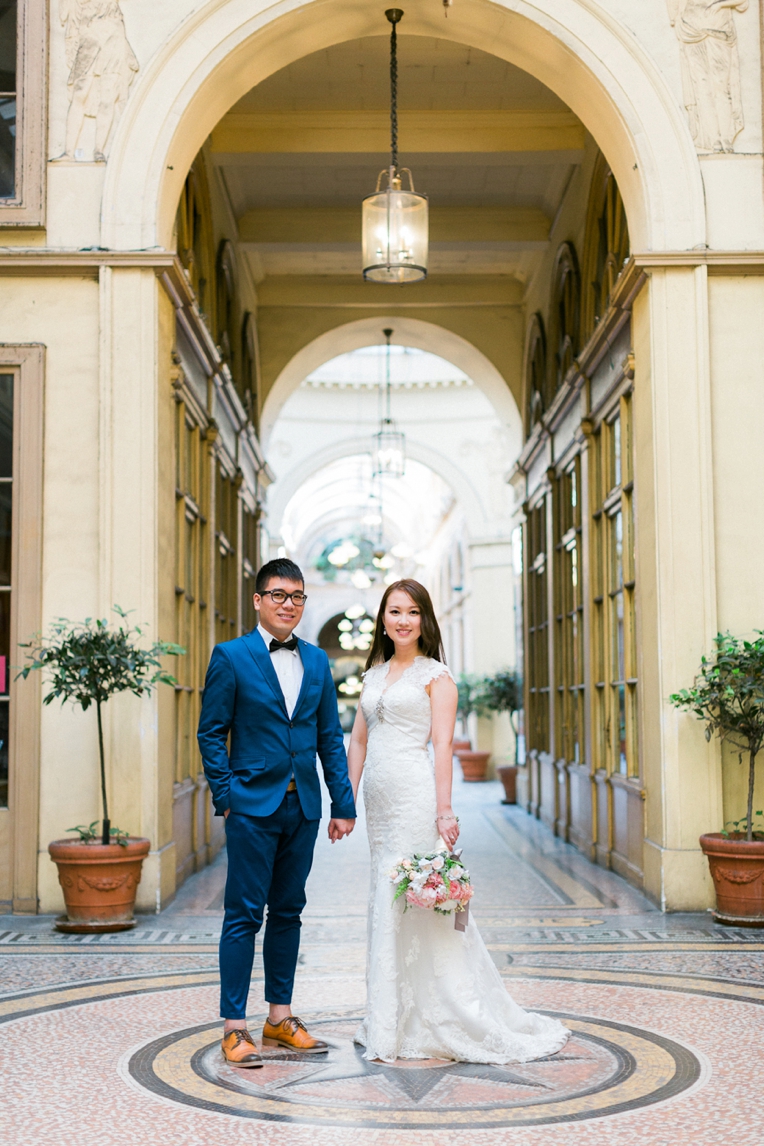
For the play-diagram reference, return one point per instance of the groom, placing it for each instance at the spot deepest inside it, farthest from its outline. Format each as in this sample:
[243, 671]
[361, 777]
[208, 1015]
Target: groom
[274, 694]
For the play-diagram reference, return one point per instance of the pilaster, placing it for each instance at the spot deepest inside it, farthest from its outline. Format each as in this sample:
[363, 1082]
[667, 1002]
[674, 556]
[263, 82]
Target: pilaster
[675, 552]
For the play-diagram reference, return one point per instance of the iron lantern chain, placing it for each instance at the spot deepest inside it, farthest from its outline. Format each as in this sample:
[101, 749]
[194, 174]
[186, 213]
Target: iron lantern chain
[388, 335]
[394, 15]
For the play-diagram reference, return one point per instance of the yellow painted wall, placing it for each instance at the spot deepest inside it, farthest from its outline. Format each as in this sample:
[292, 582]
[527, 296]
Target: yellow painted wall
[737, 353]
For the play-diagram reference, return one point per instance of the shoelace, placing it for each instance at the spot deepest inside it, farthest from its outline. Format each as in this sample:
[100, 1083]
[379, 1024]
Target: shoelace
[242, 1036]
[294, 1024]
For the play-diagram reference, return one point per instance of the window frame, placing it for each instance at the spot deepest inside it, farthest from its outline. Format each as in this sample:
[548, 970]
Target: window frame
[27, 363]
[27, 207]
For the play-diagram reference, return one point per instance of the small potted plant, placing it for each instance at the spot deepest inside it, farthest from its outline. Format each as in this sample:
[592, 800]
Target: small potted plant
[474, 765]
[463, 710]
[728, 696]
[502, 692]
[88, 662]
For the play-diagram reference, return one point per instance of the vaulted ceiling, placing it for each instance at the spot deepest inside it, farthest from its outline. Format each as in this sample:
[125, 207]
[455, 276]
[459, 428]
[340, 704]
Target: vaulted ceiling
[492, 147]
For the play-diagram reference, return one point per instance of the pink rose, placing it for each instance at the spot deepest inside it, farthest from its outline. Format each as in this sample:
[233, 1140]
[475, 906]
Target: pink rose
[413, 898]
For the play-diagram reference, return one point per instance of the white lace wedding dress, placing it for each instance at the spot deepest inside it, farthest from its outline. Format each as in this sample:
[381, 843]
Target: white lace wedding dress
[433, 991]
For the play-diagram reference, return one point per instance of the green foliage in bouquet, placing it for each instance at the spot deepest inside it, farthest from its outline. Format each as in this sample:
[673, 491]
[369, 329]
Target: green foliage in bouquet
[88, 662]
[728, 696]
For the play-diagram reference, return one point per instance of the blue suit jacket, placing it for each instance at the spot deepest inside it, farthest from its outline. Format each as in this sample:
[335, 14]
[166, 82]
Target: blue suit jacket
[242, 696]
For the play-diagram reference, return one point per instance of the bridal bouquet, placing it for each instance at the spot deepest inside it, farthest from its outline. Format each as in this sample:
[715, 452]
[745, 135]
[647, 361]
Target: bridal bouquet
[438, 880]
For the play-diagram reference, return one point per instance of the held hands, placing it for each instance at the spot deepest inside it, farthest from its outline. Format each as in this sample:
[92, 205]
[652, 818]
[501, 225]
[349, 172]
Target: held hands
[338, 829]
[448, 826]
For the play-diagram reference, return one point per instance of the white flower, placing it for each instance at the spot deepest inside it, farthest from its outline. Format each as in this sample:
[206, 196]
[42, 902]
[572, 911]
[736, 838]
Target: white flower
[456, 872]
[425, 865]
[438, 863]
[449, 905]
[399, 877]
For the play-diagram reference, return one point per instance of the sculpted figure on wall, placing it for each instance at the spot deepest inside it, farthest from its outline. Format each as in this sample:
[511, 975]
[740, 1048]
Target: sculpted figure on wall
[710, 69]
[102, 66]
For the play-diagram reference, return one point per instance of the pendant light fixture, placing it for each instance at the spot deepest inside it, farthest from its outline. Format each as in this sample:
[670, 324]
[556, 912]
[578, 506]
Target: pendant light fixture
[389, 452]
[395, 224]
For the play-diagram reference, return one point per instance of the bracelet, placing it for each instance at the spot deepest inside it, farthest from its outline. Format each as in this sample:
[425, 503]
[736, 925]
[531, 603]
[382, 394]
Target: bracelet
[455, 818]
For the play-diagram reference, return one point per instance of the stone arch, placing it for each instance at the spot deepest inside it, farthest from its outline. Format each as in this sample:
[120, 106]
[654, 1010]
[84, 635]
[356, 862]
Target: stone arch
[412, 332]
[589, 59]
[479, 523]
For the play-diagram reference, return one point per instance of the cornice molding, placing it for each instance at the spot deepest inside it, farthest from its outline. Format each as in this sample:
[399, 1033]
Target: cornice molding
[718, 262]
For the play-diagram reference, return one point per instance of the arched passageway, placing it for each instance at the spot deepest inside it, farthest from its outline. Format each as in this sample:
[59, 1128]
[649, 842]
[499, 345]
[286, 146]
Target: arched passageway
[580, 53]
[556, 150]
[446, 520]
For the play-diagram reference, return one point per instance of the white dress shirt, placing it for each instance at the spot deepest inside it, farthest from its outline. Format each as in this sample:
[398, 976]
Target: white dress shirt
[289, 670]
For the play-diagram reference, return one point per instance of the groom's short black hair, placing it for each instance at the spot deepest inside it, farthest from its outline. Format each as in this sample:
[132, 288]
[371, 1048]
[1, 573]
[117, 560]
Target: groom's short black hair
[279, 567]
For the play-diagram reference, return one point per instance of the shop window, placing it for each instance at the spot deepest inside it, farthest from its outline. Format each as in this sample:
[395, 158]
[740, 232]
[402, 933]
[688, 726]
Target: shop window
[535, 372]
[8, 96]
[226, 331]
[564, 317]
[569, 617]
[23, 36]
[191, 584]
[250, 561]
[537, 723]
[249, 368]
[196, 249]
[6, 523]
[614, 659]
[226, 574]
[606, 245]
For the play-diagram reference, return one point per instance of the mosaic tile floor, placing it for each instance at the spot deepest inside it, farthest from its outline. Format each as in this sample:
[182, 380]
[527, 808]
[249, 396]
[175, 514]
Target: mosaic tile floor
[115, 1037]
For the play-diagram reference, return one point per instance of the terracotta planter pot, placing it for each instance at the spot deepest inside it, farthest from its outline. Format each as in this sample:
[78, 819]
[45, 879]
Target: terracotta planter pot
[737, 869]
[462, 746]
[99, 883]
[508, 776]
[474, 765]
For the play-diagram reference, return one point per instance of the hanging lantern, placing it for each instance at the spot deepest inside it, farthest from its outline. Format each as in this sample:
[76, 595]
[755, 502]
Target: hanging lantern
[395, 221]
[389, 453]
[389, 449]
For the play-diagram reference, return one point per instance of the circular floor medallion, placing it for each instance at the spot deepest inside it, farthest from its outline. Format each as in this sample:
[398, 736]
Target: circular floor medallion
[605, 1068]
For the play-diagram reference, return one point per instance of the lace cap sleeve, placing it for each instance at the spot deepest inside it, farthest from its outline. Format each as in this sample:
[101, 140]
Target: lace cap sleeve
[432, 670]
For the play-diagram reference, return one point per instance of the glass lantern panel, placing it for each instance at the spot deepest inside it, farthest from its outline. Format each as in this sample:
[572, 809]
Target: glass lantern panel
[395, 236]
[389, 453]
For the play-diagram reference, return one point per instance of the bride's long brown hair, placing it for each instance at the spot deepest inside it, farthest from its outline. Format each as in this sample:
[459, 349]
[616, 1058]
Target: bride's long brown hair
[430, 640]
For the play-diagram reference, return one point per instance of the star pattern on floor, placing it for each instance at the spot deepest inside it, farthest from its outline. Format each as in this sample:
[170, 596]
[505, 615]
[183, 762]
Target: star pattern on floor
[344, 1061]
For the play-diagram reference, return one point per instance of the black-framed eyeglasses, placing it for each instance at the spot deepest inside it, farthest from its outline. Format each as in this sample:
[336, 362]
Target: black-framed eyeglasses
[278, 596]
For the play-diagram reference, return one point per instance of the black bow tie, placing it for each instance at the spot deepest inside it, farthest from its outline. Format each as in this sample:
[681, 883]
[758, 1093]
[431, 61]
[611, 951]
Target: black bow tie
[275, 645]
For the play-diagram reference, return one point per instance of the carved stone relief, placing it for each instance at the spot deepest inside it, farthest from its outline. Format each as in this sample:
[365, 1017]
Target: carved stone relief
[710, 69]
[102, 65]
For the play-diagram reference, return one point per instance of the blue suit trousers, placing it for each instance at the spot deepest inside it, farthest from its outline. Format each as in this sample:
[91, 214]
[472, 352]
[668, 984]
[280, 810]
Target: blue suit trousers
[269, 860]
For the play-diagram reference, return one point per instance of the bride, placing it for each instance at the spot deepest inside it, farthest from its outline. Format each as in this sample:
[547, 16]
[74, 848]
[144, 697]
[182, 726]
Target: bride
[433, 991]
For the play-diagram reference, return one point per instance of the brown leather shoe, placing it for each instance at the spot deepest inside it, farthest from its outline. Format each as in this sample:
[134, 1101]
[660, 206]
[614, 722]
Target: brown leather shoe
[239, 1048]
[293, 1034]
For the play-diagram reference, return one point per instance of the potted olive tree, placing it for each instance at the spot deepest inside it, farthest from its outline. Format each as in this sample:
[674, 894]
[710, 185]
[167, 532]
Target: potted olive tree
[728, 696]
[474, 764]
[463, 710]
[502, 692]
[87, 663]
